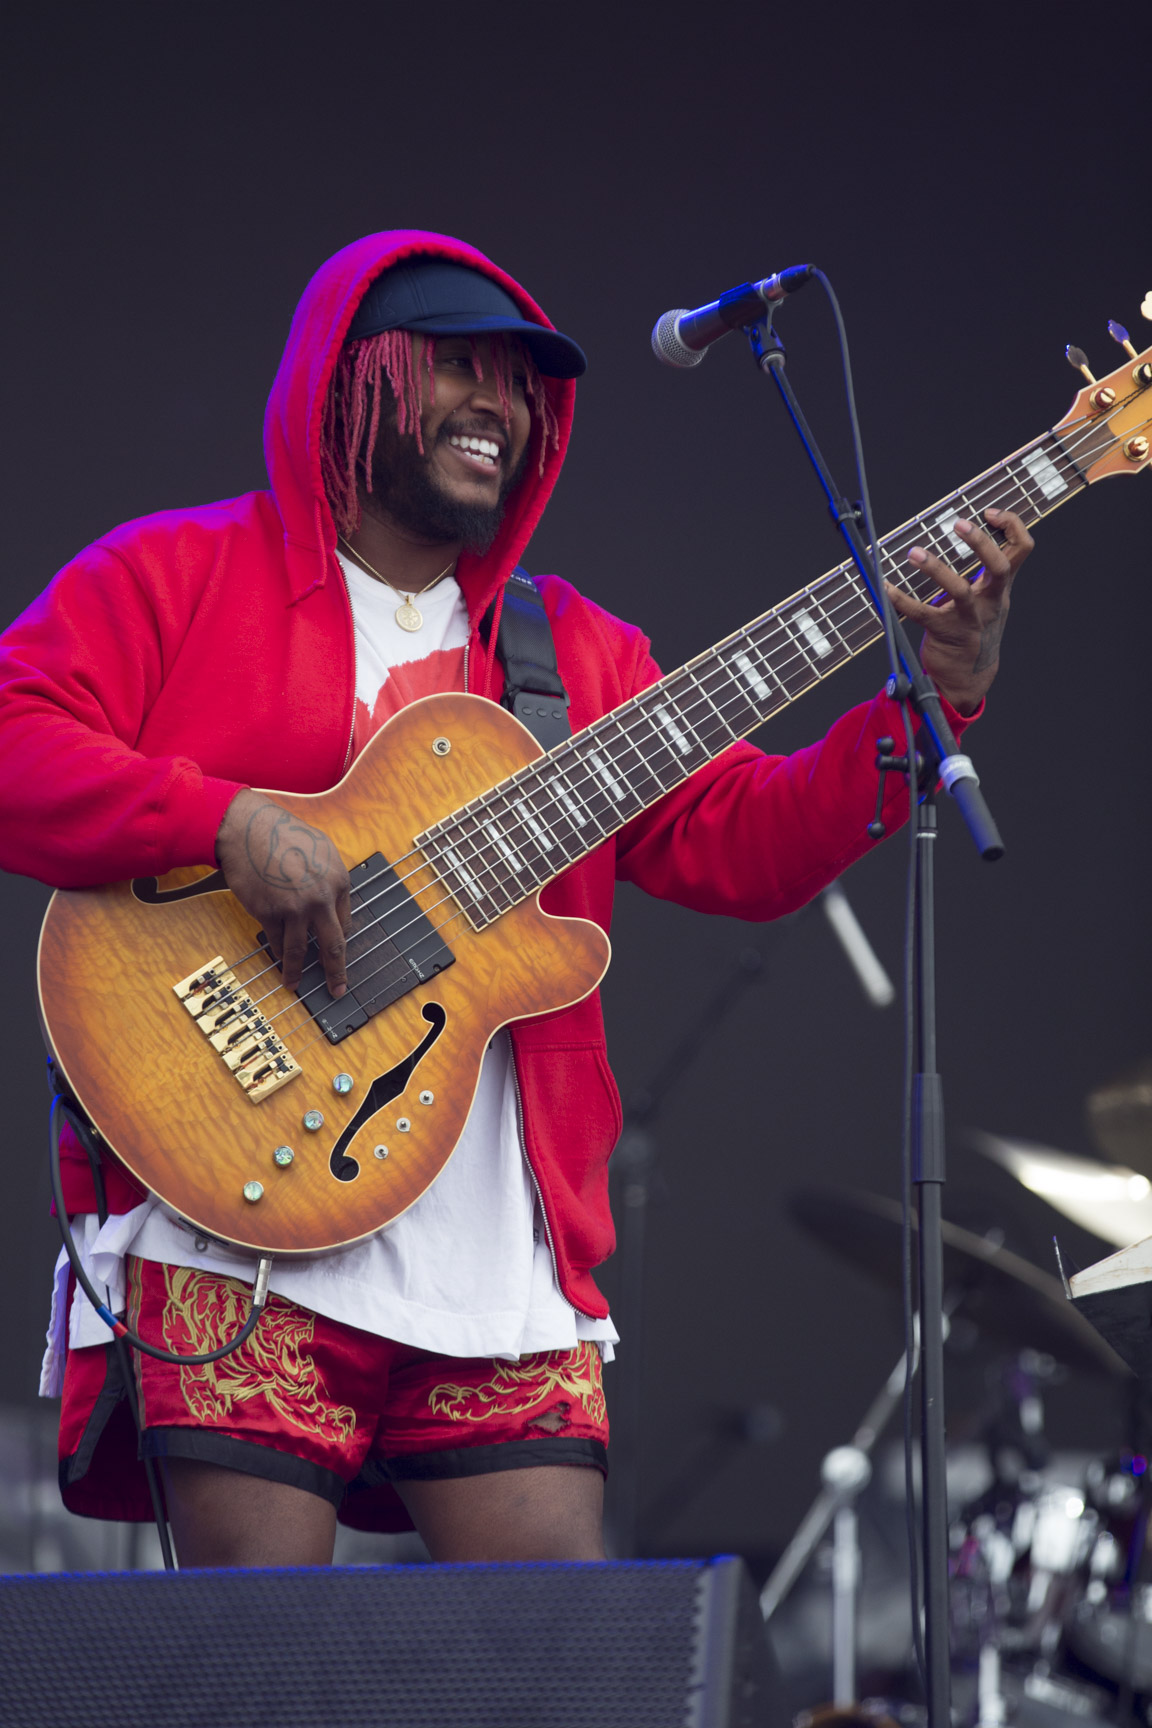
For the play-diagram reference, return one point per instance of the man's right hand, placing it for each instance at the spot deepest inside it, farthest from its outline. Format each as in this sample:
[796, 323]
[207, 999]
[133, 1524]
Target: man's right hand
[291, 877]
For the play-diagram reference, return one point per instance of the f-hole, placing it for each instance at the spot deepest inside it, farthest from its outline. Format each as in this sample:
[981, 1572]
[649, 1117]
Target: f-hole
[382, 1091]
[148, 889]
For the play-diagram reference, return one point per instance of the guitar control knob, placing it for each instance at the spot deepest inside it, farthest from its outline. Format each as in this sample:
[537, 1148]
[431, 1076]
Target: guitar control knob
[253, 1191]
[379, 1151]
[283, 1156]
[342, 1082]
[403, 1124]
[313, 1120]
[427, 1097]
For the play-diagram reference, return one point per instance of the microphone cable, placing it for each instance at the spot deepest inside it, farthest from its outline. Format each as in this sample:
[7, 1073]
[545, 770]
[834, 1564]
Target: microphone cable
[898, 684]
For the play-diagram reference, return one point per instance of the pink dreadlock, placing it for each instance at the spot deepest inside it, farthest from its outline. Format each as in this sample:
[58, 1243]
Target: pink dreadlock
[375, 366]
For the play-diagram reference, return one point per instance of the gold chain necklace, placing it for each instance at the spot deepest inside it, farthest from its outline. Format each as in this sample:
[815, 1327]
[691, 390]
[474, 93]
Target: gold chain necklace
[408, 616]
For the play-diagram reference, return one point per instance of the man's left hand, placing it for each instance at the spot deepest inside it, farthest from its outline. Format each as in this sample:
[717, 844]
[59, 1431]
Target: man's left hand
[961, 647]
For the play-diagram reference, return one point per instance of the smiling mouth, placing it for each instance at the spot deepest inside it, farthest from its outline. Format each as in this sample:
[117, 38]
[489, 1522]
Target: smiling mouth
[483, 453]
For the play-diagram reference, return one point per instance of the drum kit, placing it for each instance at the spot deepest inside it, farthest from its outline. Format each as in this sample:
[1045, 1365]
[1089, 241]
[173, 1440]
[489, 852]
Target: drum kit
[1051, 1565]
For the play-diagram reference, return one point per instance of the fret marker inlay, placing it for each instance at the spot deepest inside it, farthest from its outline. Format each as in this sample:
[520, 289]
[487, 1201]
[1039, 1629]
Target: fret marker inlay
[947, 523]
[752, 678]
[812, 634]
[532, 825]
[499, 840]
[602, 772]
[571, 806]
[677, 736]
[464, 874]
[1045, 473]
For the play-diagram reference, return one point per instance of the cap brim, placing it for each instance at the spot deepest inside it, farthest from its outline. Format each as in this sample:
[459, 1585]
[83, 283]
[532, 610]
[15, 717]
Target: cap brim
[557, 356]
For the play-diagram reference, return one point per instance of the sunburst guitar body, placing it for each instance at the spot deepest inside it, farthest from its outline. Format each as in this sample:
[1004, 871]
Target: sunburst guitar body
[289, 1166]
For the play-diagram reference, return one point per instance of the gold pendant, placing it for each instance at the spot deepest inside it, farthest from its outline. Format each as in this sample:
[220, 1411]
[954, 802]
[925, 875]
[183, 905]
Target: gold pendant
[409, 617]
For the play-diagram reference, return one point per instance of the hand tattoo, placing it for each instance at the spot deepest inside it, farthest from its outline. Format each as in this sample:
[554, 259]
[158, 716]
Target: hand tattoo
[288, 854]
[990, 635]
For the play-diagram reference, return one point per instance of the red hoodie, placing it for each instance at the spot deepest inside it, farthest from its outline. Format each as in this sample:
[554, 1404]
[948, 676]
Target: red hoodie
[188, 654]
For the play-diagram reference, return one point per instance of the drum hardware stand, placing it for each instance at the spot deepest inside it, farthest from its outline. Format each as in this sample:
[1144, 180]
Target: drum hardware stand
[845, 1473]
[991, 1711]
[909, 683]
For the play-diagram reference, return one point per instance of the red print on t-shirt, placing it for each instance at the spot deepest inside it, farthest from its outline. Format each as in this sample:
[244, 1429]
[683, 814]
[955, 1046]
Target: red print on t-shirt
[441, 670]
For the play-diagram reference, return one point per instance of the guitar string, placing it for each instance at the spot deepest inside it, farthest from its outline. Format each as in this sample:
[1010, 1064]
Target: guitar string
[544, 848]
[480, 856]
[992, 483]
[700, 699]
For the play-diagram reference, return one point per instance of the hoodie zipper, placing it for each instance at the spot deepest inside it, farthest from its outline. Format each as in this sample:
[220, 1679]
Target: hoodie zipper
[352, 628]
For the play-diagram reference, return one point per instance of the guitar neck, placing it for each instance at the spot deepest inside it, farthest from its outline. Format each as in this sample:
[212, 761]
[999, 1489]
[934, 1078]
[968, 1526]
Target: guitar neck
[508, 843]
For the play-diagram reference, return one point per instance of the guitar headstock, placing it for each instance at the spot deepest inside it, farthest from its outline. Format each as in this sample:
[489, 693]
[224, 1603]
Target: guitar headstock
[1112, 416]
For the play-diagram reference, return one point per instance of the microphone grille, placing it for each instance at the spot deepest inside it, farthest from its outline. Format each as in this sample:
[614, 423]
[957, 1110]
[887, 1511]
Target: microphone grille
[667, 346]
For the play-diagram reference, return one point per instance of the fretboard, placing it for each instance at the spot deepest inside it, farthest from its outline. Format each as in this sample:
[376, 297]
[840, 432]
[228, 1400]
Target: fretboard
[509, 842]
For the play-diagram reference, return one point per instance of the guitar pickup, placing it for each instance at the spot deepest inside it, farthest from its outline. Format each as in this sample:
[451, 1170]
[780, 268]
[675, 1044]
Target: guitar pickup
[254, 1054]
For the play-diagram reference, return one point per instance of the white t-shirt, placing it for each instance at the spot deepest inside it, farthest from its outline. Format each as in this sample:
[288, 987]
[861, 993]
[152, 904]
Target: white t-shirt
[467, 1270]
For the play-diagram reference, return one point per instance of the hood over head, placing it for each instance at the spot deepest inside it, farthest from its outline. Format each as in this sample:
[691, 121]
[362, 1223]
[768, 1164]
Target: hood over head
[292, 423]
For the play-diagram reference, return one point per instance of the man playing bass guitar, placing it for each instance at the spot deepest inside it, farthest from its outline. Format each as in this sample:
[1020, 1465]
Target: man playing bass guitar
[445, 1370]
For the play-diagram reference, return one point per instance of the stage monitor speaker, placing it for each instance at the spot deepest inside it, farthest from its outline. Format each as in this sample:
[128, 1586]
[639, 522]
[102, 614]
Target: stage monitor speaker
[619, 1644]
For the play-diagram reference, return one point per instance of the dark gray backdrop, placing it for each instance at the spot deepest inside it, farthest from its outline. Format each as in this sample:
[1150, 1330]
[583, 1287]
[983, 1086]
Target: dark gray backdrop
[974, 179]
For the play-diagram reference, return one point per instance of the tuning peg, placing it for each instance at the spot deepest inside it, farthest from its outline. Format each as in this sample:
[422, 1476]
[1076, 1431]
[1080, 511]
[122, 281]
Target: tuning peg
[1146, 305]
[1119, 334]
[1077, 359]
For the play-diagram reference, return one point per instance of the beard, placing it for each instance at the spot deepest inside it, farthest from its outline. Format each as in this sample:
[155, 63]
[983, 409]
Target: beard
[403, 484]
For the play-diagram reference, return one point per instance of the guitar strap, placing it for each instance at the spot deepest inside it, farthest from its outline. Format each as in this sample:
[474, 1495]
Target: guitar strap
[533, 689]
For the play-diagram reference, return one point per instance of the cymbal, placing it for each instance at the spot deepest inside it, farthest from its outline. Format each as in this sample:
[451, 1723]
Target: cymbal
[1005, 1296]
[1115, 1203]
[1120, 1118]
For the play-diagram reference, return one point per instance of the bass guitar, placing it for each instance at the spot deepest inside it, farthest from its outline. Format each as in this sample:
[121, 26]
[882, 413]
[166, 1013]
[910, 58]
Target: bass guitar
[290, 1123]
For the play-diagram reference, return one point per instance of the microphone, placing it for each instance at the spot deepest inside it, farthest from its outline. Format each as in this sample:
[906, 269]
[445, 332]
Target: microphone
[681, 338]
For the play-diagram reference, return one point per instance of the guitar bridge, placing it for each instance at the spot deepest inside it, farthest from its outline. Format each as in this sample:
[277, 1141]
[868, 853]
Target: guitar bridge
[242, 1037]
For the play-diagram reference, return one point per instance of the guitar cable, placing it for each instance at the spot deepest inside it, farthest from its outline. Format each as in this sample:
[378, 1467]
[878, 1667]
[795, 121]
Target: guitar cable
[124, 1339]
[60, 1107]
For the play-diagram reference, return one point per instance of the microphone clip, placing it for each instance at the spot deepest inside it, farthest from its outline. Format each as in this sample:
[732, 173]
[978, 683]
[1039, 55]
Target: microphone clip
[887, 763]
[767, 349]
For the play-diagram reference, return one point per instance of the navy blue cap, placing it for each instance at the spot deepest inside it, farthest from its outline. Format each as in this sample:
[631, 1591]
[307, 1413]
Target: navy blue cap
[443, 299]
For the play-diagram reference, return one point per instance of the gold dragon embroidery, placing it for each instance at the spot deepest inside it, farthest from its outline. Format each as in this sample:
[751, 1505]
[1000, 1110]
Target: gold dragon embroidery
[519, 1386]
[203, 1311]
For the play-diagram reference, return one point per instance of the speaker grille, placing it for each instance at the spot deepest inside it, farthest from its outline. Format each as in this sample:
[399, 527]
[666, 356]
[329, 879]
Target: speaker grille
[482, 1646]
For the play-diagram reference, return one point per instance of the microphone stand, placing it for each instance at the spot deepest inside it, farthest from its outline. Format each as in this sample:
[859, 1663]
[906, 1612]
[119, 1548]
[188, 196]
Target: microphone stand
[944, 761]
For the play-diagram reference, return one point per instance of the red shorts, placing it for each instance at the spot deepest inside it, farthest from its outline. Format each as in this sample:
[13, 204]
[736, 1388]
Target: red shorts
[313, 1403]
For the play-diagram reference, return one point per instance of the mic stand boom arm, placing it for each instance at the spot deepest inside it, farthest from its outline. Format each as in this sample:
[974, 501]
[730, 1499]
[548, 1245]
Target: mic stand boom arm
[927, 1140]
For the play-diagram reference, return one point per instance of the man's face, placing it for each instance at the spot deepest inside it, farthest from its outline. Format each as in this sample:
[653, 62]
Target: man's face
[456, 490]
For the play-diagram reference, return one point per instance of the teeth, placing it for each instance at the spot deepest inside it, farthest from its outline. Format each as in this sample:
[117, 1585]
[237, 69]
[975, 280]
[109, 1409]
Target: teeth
[485, 448]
